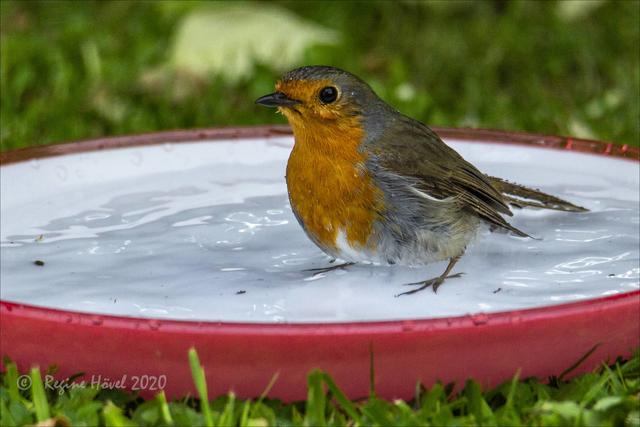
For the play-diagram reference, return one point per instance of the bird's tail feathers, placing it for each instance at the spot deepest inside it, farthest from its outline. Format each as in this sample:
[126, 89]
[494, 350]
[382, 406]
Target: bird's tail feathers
[520, 196]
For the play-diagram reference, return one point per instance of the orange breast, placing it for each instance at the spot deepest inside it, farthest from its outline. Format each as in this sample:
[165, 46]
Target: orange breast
[329, 187]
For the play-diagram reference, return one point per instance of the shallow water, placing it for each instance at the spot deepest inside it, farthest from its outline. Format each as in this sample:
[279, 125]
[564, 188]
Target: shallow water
[205, 231]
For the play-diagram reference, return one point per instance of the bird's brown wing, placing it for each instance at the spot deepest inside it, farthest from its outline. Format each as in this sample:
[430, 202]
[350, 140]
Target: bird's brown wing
[410, 148]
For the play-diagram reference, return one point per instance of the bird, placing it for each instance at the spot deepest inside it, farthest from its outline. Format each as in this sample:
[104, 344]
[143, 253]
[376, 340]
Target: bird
[370, 184]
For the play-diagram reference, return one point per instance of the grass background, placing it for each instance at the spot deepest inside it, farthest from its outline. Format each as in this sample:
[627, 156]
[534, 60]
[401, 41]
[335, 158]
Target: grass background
[607, 397]
[75, 70]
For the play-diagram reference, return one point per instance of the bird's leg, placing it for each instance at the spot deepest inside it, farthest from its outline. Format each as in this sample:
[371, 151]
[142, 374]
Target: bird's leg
[317, 271]
[436, 281]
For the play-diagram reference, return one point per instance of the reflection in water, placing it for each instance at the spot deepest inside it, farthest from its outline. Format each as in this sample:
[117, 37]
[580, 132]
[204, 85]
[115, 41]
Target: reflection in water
[590, 261]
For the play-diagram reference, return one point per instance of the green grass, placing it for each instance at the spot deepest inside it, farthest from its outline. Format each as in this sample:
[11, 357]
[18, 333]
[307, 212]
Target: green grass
[73, 70]
[609, 396]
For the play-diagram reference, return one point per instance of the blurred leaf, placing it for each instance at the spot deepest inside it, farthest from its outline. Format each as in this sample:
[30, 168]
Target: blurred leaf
[580, 129]
[607, 403]
[54, 422]
[229, 40]
[572, 10]
[567, 410]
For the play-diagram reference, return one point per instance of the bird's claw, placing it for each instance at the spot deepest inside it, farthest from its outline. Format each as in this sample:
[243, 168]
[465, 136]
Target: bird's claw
[321, 270]
[435, 283]
[423, 281]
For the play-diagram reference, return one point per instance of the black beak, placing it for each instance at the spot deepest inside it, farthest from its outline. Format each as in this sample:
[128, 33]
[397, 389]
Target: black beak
[276, 99]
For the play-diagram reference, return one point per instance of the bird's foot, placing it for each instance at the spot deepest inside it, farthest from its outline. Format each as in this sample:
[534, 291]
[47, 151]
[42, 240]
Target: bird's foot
[317, 271]
[424, 284]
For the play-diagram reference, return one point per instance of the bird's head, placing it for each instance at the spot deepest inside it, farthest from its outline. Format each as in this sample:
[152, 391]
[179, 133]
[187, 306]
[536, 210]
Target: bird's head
[321, 96]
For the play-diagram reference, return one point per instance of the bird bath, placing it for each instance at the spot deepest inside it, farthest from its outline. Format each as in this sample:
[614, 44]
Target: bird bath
[121, 253]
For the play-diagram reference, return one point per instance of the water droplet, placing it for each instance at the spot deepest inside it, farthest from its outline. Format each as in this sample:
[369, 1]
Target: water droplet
[68, 318]
[96, 320]
[479, 319]
[168, 147]
[62, 173]
[34, 163]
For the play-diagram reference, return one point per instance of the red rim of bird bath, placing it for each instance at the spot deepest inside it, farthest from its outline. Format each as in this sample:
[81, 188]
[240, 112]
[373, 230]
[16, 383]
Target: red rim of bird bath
[151, 354]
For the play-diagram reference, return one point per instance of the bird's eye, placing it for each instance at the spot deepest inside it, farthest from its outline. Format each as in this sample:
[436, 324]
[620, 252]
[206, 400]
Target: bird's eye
[328, 94]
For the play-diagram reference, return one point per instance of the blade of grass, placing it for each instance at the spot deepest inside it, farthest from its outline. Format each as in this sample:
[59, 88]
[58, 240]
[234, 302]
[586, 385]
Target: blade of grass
[614, 382]
[11, 381]
[507, 414]
[406, 413]
[244, 416]
[38, 396]
[477, 406]
[605, 376]
[264, 394]
[512, 389]
[164, 409]
[113, 416]
[316, 401]
[578, 362]
[227, 417]
[197, 372]
[344, 402]
[6, 419]
[620, 378]
[418, 395]
[377, 412]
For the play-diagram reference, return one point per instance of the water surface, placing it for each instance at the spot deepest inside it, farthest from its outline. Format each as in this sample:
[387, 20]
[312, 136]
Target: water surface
[205, 231]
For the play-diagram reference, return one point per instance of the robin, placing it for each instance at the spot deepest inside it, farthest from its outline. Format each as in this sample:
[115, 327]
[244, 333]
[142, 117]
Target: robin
[369, 184]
